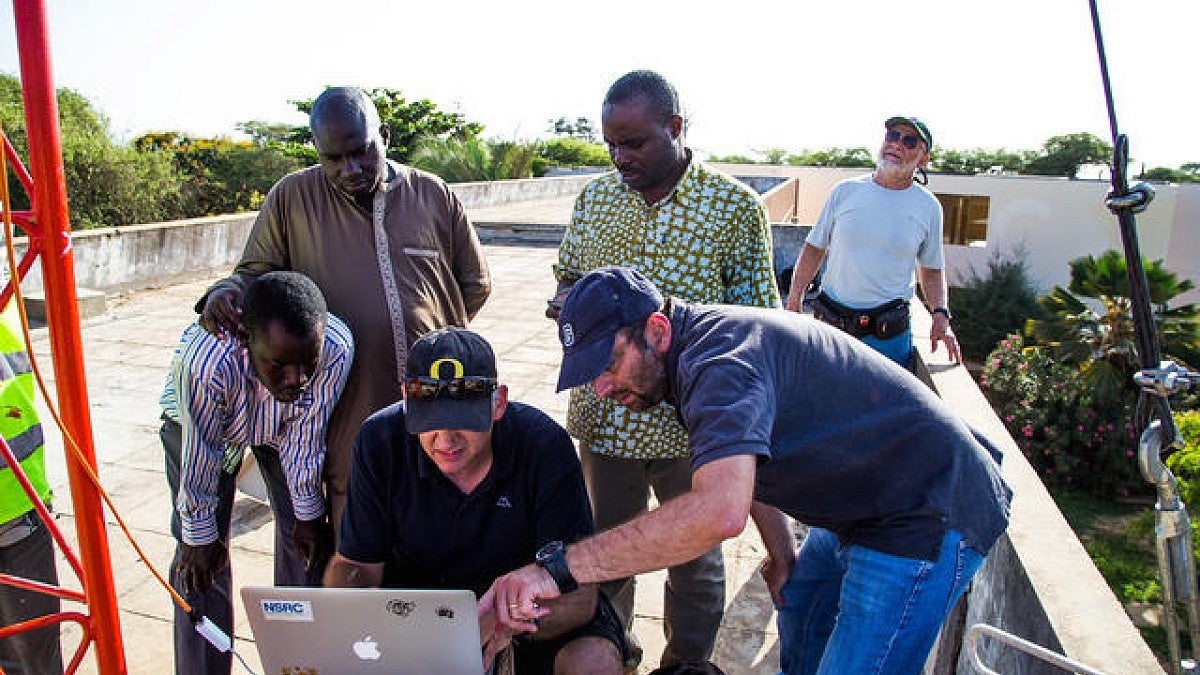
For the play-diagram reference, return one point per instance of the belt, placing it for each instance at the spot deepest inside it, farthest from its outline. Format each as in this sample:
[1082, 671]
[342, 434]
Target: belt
[17, 529]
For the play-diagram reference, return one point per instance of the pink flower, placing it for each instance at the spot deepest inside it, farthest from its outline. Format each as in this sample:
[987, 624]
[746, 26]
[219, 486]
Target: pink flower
[1129, 453]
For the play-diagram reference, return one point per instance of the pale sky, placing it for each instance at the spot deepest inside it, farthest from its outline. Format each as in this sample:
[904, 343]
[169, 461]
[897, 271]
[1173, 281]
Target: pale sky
[752, 74]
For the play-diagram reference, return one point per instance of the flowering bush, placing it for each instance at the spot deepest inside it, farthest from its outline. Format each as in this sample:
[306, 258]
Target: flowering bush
[1068, 436]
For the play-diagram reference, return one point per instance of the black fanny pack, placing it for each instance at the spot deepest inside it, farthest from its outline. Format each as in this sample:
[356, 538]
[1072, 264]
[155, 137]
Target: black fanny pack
[885, 321]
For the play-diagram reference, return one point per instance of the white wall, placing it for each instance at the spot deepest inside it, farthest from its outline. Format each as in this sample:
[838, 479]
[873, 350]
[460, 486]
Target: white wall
[1055, 219]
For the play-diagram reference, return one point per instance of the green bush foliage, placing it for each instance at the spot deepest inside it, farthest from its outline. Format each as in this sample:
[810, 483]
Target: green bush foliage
[570, 151]
[988, 307]
[1185, 463]
[1069, 436]
[474, 159]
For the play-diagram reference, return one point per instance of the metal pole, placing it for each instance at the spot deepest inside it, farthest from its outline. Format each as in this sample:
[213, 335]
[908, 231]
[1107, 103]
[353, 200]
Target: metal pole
[58, 276]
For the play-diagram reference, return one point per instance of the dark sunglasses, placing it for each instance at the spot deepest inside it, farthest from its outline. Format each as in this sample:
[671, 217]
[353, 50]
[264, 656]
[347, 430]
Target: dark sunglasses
[457, 389]
[907, 140]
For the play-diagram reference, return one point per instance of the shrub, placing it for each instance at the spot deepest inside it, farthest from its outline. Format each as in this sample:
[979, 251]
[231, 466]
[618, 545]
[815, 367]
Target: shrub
[1185, 463]
[988, 307]
[1069, 436]
[572, 152]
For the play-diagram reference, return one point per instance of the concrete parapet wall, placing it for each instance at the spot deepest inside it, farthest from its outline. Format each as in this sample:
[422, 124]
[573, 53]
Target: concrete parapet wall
[118, 259]
[1038, 582]
[497, 192]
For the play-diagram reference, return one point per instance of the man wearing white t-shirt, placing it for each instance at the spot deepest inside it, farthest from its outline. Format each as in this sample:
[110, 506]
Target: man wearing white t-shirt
[876, 231]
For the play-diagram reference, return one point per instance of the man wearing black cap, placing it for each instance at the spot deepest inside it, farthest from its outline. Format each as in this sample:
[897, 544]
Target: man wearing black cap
[876, 229]
[456, 485]
[784, 415]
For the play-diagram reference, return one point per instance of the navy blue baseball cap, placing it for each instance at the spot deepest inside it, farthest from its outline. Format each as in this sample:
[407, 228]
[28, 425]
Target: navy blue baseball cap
[601, 303]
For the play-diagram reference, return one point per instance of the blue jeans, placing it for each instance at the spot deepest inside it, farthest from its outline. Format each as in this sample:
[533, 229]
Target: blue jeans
[851, 609]
[897, 348]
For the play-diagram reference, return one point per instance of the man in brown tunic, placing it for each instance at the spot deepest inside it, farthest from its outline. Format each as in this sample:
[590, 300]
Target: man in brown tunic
[389, 246]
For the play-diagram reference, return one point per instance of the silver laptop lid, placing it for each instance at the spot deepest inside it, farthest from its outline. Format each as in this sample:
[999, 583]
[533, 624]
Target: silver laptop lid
[335, 631]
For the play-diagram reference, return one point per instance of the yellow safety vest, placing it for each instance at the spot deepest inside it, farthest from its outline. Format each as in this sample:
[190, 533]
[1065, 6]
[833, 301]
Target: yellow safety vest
[18, 421]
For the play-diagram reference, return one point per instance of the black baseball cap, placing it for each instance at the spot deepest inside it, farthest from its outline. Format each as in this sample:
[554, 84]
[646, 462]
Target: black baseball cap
[601, 303]
[448, 354]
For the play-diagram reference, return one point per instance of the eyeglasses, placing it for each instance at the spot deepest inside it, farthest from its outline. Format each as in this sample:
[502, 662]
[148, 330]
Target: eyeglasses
[457, 389]
[907, 140]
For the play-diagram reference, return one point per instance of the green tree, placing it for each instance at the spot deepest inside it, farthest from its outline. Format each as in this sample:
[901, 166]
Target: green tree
[570, 151]
[977, 161]
[1180, 175]
[220, 175]
[732, 159]
[844, 157]
[1063, 155]
[1102, 344]
[988, 307]
[582, 128]
[408, 121]
[773, 155]
[462, 160]
[107, 184]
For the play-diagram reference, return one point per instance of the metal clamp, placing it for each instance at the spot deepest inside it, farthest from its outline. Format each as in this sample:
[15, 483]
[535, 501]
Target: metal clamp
[1136, 200]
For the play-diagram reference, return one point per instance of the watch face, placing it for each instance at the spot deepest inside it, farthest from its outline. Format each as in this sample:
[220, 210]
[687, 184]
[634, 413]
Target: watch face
[548, 551]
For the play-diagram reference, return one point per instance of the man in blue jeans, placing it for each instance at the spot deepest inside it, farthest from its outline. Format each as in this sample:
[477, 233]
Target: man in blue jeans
[785, 415]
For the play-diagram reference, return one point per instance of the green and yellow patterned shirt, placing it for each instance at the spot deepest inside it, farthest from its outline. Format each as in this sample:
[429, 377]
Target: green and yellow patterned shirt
[708, 241]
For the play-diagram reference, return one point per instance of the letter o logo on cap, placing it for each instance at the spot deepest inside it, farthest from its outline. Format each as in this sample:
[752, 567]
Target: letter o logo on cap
[436, 366]
[568, 335]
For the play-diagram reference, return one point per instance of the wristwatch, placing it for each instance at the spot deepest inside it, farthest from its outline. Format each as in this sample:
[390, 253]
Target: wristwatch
[945, 311]
[552, 558]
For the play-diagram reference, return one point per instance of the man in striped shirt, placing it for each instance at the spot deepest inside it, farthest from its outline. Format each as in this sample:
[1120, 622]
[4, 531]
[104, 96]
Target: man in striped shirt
[273, 389]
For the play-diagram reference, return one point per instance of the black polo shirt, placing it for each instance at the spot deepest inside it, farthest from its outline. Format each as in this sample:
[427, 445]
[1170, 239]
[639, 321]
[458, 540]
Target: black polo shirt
[402, 511]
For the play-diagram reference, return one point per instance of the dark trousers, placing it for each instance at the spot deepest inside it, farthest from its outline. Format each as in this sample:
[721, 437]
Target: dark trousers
[35, 652]
[193, 654]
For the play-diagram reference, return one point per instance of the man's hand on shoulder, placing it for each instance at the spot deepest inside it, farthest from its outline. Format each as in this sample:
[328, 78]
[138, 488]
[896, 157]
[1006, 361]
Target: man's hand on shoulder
[222, 315]
[199, 566]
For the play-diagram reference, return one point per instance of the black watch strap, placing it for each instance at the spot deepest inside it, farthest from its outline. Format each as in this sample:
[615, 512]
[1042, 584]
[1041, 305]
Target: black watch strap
[945, 311]
[553, 558]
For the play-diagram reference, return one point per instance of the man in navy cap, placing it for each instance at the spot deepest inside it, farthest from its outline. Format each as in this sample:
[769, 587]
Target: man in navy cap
[456, 485]
[785, 415]
[876, 229]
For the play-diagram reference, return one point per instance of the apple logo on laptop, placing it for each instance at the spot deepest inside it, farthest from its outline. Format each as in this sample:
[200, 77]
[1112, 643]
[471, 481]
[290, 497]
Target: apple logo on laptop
[367, 649]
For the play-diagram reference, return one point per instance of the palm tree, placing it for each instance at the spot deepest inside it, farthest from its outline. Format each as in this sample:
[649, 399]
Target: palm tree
[1102, 343]
[462, 160]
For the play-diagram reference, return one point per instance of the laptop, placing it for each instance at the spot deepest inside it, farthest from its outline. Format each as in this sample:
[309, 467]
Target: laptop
[339, 631]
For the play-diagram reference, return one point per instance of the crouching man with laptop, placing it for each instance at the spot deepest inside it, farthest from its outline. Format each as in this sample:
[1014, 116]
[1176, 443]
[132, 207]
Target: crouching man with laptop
[455, 486]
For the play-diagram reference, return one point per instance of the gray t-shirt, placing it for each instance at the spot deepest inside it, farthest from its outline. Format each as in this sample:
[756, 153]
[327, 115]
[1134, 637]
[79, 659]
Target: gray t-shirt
[847, 440]
[874, 237]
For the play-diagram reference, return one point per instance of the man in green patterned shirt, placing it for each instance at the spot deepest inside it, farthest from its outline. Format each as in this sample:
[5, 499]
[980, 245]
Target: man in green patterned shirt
[699, 235]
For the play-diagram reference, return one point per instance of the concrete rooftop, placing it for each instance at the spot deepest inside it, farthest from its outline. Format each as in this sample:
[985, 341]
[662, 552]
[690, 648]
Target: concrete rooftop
[127, 352]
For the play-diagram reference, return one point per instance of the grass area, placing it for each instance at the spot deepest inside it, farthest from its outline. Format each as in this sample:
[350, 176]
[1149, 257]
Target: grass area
[1119, 537]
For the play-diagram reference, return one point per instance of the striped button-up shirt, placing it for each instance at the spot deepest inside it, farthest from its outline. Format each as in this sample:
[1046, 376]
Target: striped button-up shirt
[213, 394]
